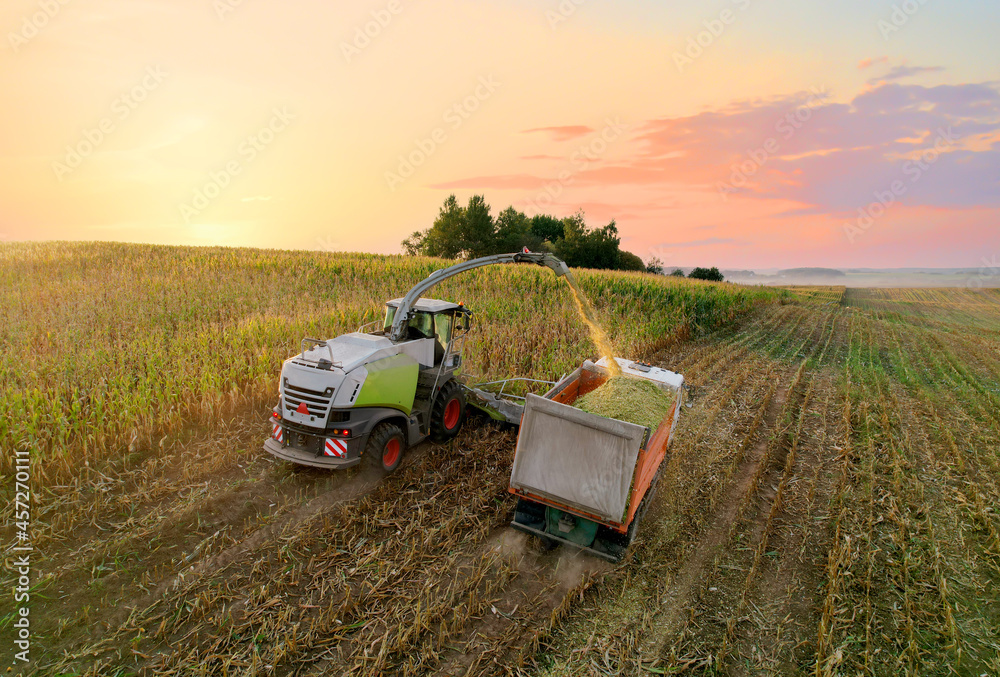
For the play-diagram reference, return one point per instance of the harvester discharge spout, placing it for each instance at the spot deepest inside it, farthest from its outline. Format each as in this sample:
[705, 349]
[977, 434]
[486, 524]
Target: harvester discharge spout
[557, 266]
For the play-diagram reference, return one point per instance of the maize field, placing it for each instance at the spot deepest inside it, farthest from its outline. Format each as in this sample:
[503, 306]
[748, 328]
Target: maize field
[828, 506]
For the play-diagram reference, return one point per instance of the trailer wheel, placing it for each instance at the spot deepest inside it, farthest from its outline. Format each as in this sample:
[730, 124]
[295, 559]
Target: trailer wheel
[385, 447]
[448, 412]
[546, 544]
[615, 544]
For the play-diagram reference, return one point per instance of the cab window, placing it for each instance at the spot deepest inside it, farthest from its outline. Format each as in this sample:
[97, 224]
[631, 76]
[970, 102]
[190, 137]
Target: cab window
[442, 327]
[421, 325]
[390, 315]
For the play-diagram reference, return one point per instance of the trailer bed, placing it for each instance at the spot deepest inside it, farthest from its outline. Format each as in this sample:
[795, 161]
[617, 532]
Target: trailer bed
[584, 479]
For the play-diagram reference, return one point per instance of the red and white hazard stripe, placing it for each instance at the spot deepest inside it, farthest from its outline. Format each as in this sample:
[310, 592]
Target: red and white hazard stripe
[277, 433]
[336, 448]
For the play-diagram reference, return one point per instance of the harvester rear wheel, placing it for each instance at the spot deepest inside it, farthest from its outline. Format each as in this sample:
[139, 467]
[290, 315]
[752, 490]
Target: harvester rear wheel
[448, 412]
[385, 447]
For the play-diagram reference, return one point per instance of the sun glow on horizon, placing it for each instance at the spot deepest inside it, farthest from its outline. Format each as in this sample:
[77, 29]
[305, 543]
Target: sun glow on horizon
[248, 124]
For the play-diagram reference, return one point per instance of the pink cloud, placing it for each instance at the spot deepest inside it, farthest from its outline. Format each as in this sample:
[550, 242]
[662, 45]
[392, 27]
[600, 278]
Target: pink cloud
[604, 211]
[807, 164]
[707, 242]
[501, 182]
[825, 155]
[901, 72]
[563, 133]
[868, 63]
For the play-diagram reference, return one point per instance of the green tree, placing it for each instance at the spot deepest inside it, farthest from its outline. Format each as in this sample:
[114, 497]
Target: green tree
[472, 232]
[629, 261]
[572, 247]
[414, 245]
[603, 245]
[710, 274]
[582, 247]
[547, 227]
[678, 273]
[478, 234]
[655, 266]
[445, 237]
[513, 232]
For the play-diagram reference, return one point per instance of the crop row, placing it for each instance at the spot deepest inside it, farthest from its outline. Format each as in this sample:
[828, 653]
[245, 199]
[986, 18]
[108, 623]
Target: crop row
[335, 577]
[109, 347]
[894, 517]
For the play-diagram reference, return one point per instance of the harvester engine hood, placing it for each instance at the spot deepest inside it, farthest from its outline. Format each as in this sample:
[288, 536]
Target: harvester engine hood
[329, 374]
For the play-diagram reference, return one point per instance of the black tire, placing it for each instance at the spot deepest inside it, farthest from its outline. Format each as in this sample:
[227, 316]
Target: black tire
[385, 447]
[546, 544]
[615, 544]
[448, 412]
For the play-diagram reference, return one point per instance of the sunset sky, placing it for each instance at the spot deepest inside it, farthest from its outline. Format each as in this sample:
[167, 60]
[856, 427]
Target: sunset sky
[737, 133]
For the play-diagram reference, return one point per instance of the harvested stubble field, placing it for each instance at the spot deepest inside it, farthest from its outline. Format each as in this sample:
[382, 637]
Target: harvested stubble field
[828, 506]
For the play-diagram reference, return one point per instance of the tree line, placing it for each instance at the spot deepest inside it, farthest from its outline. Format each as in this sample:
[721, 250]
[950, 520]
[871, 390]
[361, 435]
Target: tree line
[711, 274]
[472, 231]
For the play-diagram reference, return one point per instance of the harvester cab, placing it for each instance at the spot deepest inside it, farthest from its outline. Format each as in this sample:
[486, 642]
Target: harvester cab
[371, 394]
[447, 323]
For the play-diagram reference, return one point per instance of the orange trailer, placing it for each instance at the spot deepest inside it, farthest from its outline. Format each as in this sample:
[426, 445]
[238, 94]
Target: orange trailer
[582, 479]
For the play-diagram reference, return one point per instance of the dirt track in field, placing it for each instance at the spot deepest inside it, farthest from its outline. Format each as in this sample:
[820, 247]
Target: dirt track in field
[202, 509]
[206, 522]
[209, 557]
[703, 552]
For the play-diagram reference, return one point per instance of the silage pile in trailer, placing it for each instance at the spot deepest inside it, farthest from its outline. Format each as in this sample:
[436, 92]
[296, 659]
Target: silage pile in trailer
[633, 400]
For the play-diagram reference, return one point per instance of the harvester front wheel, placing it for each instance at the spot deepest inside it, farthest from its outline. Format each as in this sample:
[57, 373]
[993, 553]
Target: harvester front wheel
[448, 412]
[385, 447]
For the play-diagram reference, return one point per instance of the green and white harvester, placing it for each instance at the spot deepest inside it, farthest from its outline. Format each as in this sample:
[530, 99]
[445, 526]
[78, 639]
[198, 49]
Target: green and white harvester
[581, 479]
[371, 395]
